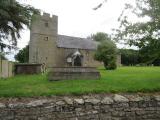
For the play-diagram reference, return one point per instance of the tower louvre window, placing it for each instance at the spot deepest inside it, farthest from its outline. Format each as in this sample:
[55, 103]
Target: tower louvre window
[46, 38]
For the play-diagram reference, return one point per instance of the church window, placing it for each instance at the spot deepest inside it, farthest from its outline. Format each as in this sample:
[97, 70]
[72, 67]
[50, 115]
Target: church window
[46, 38]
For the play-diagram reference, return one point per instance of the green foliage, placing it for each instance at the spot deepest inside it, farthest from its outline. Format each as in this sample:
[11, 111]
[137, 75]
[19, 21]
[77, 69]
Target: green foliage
[156, 62]
[136, 57]
[144, 35]
[124, 79]
[111, 65]
[106, 51]
[13, 17]
[100, 37]
[151, 53]
[23, 55]
[2, 56]
[129, 57]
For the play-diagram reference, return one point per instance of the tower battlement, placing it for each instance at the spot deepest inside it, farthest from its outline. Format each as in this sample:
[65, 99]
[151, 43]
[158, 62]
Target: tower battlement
[45, 24]
[47, 16]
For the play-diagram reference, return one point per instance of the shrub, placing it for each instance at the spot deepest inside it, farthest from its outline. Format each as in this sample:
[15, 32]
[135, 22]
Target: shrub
[112, 65]
[107, 53]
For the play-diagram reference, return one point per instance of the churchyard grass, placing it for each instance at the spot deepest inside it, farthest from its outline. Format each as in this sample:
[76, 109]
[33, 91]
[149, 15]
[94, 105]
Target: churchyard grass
[124, 79]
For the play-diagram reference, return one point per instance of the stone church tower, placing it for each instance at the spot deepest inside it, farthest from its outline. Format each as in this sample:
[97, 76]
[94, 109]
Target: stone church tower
[53, 50]
[43, 36]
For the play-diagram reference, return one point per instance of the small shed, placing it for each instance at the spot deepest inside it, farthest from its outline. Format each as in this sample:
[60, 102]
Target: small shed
[28, 68]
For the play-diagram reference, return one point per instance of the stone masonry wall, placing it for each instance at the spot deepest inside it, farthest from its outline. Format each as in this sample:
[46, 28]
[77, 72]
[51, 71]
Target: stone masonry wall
[88, 57]
[43, 37]
[86, 107]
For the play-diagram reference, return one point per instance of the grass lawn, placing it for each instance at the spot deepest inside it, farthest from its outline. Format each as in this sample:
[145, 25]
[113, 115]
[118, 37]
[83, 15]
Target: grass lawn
[124, 79]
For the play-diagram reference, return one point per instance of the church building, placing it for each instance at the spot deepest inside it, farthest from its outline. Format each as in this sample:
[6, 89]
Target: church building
[53, 50]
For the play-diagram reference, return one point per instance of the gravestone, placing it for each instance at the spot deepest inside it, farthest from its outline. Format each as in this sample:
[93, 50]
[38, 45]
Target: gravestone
[28, 68]
[73, 73]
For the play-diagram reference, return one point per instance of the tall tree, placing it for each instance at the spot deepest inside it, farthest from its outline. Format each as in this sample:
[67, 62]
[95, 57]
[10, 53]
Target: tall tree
[129, 57]
[13, 17]
[145, 34]
[106, 51]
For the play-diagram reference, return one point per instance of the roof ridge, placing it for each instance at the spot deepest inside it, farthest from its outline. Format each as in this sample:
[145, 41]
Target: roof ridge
[75, 42]
[74, 37]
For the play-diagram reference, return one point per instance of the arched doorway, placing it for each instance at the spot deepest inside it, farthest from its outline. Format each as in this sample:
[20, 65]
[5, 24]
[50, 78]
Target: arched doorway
[78, 61]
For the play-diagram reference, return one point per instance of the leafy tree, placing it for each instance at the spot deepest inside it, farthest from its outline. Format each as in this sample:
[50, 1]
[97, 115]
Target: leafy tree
[145, 35]
[100, 37]
[135, 57]
[156, 62]
[13, 17]
[106, 53]
[130, 57]
[23, 55]
[151, 52]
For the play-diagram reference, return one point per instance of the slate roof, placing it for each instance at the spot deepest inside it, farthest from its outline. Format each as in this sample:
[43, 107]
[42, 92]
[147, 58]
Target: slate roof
[76, 42]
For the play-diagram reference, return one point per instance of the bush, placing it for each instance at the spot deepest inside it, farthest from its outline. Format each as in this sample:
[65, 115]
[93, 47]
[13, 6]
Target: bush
[112, 65]
[107, 53]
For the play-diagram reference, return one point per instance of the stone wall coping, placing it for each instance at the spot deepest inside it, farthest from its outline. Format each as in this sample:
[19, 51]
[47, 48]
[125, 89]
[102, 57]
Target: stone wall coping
[83, 107]
[73, 100]
[27, 64]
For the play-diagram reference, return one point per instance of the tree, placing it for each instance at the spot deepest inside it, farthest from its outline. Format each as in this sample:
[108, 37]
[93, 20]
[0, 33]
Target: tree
[130, 57]
[145, 35]
[150, 54]
[106, 52]
[2, 57]
[23, 55]
[13, 17]
[100, 37]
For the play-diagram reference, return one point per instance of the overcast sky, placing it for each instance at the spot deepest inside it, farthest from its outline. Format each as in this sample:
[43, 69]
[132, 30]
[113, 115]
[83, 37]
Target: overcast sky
[77, 17]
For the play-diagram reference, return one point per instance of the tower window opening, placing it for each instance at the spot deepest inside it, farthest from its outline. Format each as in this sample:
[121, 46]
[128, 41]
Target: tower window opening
[46, 38]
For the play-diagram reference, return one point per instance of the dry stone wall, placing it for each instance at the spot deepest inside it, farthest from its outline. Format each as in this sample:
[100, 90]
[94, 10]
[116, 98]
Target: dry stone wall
[86, 107]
